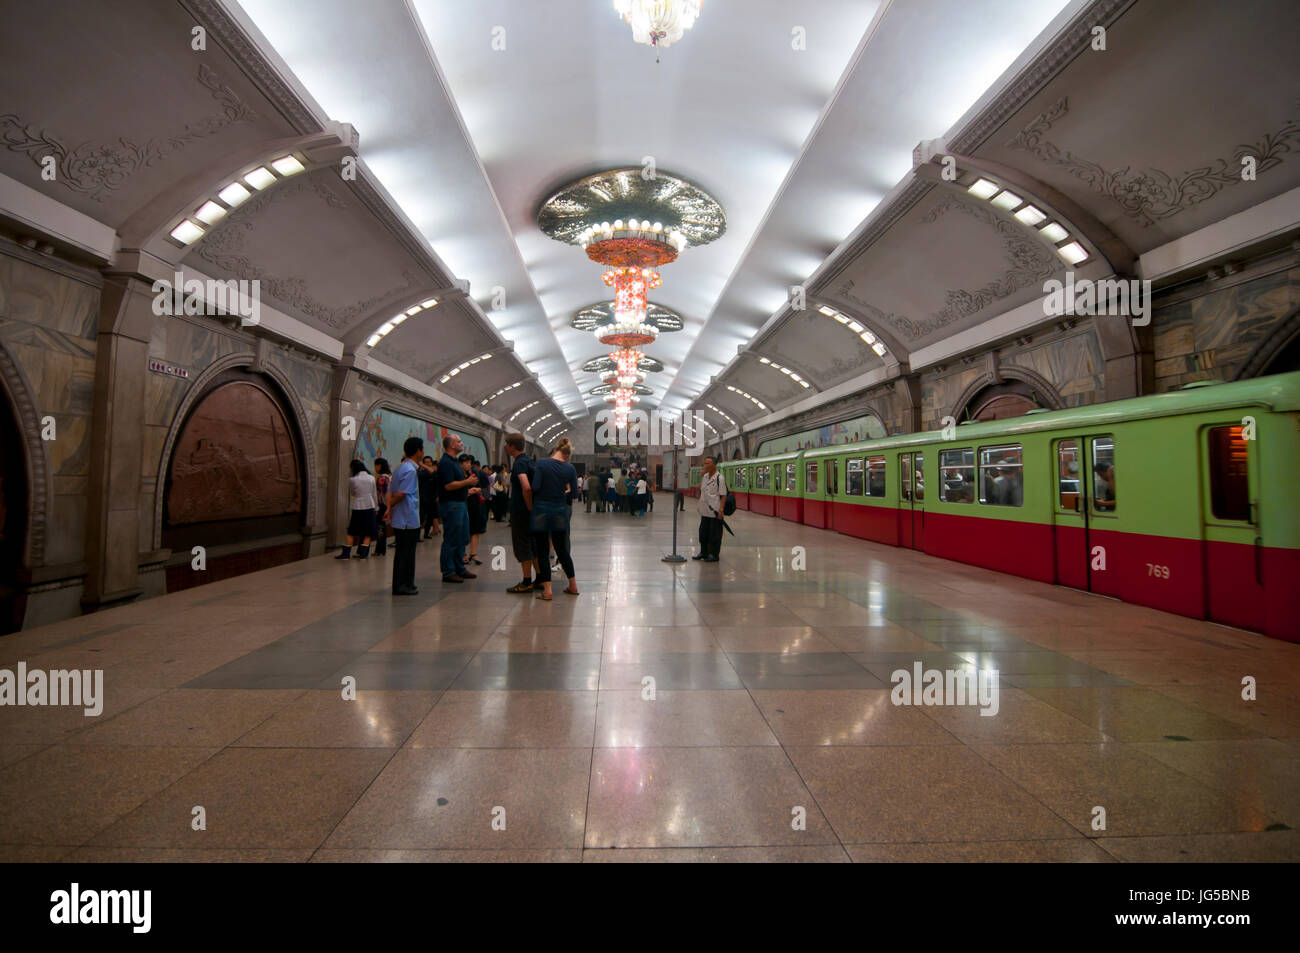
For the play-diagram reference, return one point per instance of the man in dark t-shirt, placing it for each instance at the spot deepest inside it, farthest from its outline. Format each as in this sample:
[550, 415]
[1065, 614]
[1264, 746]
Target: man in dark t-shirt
[453, 487]
[521, 499]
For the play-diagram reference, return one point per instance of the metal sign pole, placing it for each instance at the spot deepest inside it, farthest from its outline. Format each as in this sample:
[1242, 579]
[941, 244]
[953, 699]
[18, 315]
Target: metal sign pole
[674, 558]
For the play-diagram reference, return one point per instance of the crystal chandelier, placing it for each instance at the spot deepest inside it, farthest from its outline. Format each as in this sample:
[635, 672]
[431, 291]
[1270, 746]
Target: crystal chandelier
[630, 328]
[626, 372]
[658, 23]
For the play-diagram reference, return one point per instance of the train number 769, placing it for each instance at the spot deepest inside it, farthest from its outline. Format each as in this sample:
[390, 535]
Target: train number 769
[1160, 572]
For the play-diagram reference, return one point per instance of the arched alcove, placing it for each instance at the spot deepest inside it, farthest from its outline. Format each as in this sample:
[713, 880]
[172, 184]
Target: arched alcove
[1015, 394]
[13, 519]
[24, 491]
[236, 473]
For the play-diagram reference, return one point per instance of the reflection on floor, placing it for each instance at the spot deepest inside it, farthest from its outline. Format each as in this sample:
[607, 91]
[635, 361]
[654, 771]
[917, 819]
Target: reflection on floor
[490, 726]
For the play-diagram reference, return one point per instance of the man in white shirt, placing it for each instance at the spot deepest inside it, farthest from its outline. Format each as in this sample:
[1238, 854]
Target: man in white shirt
[713, 493]
[642, 492]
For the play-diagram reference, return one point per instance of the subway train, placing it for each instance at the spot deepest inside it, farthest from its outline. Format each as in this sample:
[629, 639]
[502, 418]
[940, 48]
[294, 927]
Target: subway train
[1183, 501]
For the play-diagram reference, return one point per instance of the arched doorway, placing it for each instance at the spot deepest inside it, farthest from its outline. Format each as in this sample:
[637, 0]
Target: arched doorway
[235, 479]
[13, 519]
[1000, 401]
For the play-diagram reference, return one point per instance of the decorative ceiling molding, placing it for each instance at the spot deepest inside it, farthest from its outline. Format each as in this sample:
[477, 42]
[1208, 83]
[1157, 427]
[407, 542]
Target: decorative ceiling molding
[1030, 263]
[1152, 194]
[212, 16]
[1072, 41]
[96, 168]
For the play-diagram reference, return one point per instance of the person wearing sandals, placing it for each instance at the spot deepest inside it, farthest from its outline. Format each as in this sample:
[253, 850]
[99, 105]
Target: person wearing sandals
[362, 526]
[553, 482]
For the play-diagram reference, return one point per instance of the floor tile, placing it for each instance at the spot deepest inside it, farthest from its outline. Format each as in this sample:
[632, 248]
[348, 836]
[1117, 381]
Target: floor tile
[626, 719]
[432, 798]
[922, 793]
[253, 798]
[852, 717]
[508, 719]
[699, 797]
[325, 719]
[67, 793]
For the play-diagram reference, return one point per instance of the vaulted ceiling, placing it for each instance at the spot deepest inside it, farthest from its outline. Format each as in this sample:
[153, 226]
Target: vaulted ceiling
[473, 113]
[801, 120]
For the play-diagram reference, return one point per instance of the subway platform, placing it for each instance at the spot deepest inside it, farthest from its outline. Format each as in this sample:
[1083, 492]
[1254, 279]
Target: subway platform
[739, 711]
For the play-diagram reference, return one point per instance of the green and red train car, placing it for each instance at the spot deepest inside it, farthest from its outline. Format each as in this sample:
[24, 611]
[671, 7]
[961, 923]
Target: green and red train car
[1184, 501]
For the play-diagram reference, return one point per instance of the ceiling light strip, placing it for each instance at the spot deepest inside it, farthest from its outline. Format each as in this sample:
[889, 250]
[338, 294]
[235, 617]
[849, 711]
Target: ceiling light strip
[1032, 217]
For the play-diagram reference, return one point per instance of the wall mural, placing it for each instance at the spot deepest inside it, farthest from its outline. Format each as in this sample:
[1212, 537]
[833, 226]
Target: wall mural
[386, 430]
[866, 427]
[236, 458]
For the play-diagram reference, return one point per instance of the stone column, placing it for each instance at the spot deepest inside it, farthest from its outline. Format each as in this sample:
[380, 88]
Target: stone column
[1130, 361]
[112, 514]
[340, 454]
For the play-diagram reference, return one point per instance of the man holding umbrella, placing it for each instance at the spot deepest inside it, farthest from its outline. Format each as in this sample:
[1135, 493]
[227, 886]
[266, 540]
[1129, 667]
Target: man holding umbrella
[713, 492]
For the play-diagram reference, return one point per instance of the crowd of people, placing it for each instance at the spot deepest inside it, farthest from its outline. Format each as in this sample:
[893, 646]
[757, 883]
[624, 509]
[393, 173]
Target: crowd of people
[631, 492]
[455, 497]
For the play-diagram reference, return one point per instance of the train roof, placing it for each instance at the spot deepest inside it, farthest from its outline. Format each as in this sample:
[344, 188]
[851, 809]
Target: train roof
[1277, 392]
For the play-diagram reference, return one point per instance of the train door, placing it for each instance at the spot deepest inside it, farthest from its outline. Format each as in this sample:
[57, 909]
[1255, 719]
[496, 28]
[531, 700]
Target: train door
[1070, 515]
[911, 500]
[918, 501]
[832, 488]
[1234, 581]
[905, 500]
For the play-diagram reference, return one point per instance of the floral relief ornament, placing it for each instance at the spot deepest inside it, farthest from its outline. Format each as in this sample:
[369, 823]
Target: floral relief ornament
[1150, 195]
[95, 169]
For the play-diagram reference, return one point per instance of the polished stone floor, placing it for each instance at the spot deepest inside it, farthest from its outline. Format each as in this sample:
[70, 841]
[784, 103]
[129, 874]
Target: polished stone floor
[490, 726]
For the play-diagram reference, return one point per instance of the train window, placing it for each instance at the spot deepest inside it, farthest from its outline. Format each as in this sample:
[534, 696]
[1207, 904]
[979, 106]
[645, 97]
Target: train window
[810, 479]
[853, 478]
[1229, 485]
[1002, 477]
[957, 476]
[904, 477]
[1104, 496]
[875, 476]
[763, 478]
[791, 477]
[832, 477]
[741, 476]
[1067, 475]
[918, 467]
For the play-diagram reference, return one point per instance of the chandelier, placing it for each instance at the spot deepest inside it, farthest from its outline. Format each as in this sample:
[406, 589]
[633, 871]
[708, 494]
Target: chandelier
[626, 370]
[658, 23]
[630, 328]
[633, 224]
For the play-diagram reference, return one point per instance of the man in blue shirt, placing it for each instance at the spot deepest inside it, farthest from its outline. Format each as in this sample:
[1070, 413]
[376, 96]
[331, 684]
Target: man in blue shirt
[404, 505]
[452, 510]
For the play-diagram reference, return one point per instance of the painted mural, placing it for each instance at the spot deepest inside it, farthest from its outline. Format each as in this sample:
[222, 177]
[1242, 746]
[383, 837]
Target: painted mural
[386, 430]
[866, 427]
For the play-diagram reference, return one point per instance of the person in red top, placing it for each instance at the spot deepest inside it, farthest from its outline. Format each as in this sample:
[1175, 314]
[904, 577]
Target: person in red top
[383, 477]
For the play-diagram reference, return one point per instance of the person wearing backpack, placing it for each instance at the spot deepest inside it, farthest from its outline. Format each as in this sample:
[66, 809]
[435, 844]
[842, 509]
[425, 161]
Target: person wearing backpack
[713, 496]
